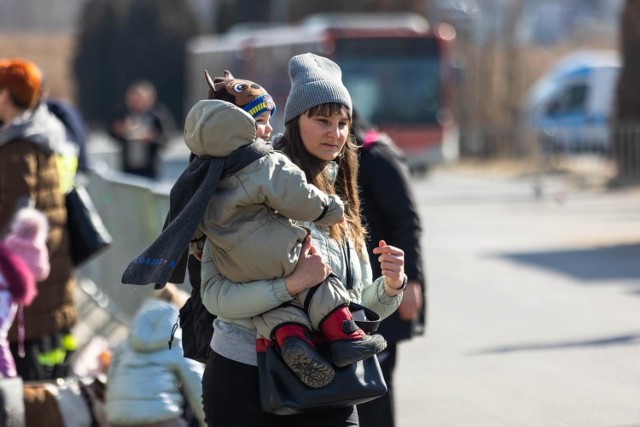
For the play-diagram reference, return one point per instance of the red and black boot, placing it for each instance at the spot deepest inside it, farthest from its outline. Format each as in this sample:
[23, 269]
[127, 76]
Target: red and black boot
[301, 355]
[349, 343]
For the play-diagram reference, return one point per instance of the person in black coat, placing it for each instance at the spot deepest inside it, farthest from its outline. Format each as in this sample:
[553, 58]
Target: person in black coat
[74, 127]
[142, 126]
[390, 213]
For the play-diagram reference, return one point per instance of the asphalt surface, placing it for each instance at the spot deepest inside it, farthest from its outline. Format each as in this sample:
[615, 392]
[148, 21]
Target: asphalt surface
[534, 306]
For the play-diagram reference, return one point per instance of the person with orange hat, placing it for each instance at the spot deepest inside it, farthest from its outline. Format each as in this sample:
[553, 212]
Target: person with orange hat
[30, 140]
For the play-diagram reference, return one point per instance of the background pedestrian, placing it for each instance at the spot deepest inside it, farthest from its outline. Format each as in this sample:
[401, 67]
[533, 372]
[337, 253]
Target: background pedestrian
[24, 260]
[148, 382]
[29, 138]
[143, 127]
[390, 213]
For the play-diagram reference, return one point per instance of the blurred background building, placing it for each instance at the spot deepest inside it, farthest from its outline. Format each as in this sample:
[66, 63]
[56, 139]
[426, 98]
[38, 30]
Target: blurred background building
[82, 42]
[92, 49]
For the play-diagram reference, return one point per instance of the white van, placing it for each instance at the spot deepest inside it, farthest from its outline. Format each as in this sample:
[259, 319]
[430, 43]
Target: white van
[572, 103]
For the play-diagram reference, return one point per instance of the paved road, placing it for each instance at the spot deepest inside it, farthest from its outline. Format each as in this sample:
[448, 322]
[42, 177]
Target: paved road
[534, 307]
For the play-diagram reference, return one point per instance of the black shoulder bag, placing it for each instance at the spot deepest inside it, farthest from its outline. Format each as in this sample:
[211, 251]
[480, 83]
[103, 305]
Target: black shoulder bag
[282, 393]
[195, 320]
[88, 235]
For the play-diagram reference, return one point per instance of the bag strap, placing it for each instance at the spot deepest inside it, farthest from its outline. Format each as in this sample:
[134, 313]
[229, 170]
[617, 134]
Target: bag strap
[373, 319]
[370, 325]
[346, 248]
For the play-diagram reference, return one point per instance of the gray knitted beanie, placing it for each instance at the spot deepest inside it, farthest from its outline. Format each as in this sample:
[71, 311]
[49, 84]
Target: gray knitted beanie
[315, 80]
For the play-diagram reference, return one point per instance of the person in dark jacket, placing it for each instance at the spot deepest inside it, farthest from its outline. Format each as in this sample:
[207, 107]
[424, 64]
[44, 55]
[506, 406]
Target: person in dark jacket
[142, 126]
[74, 126]
[390, 213]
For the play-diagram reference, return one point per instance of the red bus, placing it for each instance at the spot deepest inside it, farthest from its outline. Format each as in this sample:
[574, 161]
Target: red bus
[397, 69]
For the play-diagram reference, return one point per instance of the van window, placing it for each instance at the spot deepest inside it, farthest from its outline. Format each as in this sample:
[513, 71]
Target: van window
[571, 100]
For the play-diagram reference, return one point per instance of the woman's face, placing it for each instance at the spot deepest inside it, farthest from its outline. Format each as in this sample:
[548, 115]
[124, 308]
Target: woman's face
[263, 126]
[324, 136]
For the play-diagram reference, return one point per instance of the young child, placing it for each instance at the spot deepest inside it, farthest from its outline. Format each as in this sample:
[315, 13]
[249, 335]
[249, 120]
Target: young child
[148, 381]
[24, 260]
[250, 233]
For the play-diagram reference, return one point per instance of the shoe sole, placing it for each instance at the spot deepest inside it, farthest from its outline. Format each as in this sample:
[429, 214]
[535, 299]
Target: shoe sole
[314, 372]
[357, 352]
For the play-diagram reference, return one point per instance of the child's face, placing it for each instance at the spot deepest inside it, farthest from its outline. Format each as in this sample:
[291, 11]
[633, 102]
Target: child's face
[263, 127]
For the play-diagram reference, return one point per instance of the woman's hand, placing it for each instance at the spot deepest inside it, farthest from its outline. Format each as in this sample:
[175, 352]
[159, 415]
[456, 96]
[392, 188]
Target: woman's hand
[392, 266]
[310, 270]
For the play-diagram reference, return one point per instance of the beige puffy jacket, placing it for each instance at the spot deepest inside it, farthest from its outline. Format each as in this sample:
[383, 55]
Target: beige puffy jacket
[248, 221]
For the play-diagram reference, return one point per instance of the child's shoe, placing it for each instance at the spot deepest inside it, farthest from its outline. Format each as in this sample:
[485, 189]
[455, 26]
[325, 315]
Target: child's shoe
[302, 357]
[349, 343]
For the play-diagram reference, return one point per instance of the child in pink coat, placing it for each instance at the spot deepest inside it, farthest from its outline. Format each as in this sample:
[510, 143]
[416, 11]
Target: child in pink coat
[24, 261]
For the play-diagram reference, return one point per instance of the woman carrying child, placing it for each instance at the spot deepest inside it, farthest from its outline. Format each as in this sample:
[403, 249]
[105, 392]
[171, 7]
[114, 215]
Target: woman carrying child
[316, 139]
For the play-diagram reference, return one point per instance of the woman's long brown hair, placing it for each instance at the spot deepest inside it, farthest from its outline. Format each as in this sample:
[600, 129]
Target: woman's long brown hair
[317, 173]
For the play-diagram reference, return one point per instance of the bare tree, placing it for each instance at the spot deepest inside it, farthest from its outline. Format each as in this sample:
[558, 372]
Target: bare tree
[120, 41]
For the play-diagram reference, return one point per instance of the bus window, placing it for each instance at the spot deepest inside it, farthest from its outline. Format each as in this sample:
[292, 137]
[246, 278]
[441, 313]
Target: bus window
[365, 95]
[394, 81]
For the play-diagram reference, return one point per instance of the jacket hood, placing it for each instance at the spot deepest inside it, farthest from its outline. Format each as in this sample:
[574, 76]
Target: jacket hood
[215, 128]
[41, 128]
[152, 326]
